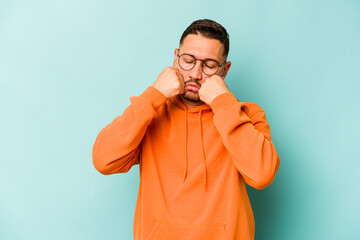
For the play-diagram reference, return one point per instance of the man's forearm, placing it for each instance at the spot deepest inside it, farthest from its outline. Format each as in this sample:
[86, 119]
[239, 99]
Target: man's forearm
[117, 146]
[246, 135]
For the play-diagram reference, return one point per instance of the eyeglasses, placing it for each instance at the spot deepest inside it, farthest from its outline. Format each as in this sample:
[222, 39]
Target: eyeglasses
[209, 66]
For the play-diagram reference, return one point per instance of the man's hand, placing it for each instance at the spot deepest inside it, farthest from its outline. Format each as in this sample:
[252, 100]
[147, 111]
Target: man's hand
[170, 82]
[211, 88]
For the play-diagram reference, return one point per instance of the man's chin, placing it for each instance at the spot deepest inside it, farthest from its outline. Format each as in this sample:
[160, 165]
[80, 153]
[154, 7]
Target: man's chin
[191, 96]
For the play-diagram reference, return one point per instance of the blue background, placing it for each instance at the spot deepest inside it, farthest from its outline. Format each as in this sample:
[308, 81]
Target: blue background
[67, 68]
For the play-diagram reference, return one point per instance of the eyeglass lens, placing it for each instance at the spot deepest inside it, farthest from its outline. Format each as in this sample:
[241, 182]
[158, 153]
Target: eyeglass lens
[187, 62]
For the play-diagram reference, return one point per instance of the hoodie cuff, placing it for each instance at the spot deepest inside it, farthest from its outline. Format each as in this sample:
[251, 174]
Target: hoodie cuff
[225, 101]
[155, 97]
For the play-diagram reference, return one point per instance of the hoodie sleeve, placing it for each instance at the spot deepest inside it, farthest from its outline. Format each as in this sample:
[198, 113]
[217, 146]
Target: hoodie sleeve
[117, 146]
[246, 134]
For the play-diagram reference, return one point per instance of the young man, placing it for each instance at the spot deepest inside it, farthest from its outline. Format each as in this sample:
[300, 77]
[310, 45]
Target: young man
[196, 145]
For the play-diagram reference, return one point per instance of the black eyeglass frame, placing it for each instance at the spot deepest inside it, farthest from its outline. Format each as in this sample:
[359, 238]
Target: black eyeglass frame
[219, 66]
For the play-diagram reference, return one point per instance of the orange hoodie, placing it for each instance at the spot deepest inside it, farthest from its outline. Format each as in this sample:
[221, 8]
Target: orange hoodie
[194, 164]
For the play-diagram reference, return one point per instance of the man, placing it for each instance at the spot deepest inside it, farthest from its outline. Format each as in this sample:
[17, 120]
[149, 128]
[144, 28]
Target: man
[196, 145]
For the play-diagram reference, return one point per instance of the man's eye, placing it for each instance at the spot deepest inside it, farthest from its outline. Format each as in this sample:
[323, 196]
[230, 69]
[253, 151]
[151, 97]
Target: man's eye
[210, 66]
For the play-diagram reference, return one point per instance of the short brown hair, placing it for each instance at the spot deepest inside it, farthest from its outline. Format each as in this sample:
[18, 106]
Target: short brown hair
[209, 29]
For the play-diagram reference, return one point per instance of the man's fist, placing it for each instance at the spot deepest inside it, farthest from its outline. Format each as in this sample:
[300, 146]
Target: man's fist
[211, 88]
[170, 82]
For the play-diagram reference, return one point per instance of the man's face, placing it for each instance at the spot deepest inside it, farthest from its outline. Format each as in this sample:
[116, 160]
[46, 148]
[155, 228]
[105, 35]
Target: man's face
[201, 48]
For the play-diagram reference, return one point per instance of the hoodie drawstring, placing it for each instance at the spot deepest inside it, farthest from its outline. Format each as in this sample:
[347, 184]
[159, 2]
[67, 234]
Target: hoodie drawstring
[186, 142]
[202, 148]
[203, 151]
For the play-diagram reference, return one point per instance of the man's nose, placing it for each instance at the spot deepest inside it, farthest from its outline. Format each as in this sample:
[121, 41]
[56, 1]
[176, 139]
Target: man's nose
[196, 72]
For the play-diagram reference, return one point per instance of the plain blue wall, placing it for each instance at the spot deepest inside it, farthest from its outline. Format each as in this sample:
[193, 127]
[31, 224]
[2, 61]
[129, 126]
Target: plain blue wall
[67, 68]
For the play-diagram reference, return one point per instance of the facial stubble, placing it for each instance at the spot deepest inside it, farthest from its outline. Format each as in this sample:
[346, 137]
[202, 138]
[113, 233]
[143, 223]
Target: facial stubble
[190, 95]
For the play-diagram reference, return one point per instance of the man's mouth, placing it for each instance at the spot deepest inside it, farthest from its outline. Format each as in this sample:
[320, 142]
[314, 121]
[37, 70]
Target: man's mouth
[192, 85]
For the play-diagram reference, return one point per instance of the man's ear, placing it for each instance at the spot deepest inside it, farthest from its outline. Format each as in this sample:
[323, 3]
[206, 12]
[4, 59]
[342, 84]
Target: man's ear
[175, 56]
[226, 69]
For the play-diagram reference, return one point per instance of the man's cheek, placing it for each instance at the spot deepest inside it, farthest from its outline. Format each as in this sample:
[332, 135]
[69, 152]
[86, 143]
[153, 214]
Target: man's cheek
[176, 65]
[183, 73]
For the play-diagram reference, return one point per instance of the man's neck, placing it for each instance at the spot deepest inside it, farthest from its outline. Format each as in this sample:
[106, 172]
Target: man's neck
[191, 104]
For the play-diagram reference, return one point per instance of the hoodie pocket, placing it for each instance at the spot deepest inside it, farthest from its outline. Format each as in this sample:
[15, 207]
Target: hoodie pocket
[165, 231]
